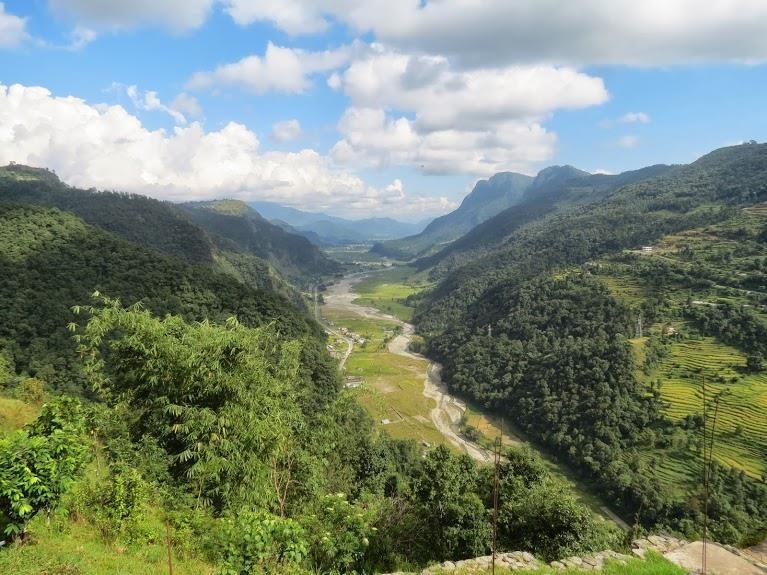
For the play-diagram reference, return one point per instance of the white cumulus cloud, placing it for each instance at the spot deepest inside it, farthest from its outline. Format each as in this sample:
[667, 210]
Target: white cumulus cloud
[443, 97]
[650, 32]
[421, 111]
[373, 139]
[279, 69]
[286, 131]
[177, 15]
[13, 29]
[106, 147]
[490, 32]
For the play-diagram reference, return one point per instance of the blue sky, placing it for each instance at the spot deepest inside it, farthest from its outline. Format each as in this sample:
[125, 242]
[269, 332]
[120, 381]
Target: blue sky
[370, 107]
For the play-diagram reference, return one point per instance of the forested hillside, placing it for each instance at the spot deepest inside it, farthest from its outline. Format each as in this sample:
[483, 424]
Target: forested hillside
[488, 198]
[138, 219]
[244, 246]
[153, 410]
[238, 229]
[51, 260]
[554, 189]
[541, 324]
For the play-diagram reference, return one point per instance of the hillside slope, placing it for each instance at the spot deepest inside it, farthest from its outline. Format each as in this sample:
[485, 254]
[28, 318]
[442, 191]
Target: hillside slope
[267, 259]
[51, 260]
[145, 221]
[525, 325]
[236, 227]
[488, 198]
[554, 189]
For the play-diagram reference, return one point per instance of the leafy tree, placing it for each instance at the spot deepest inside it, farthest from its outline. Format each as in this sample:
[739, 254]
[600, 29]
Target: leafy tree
[755, 362]
[340, 533]
[7, 369]
[550, 521]
[456, 523]
[221, 400]
[39, 463]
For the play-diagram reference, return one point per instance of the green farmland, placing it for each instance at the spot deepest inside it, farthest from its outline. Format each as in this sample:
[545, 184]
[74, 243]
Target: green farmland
[387, 291]
[741, 427]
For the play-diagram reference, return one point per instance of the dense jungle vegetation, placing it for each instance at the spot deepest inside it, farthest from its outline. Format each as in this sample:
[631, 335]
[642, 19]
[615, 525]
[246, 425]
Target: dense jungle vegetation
[532, 321]
[189, 415]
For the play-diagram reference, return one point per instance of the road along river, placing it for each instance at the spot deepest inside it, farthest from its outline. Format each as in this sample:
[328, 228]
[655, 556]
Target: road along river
[448, 410]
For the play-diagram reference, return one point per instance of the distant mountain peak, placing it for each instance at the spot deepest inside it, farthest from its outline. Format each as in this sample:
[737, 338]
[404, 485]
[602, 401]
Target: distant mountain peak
[488, 198]
[558, 173]
[333, 229]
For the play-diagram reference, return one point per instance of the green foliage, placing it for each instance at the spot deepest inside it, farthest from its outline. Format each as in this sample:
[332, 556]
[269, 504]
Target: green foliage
[445, 489]
[553, 523]
[221, 400]
[755, 362]
[7, 368]
[256, 542]
[238, 228]
[151, 223]
[117, 501]
[78, 259]
[32, 390]
[537, 513]
[340, 533]
[736, 325]
[38, 464]
[558, 362]
[125, 495]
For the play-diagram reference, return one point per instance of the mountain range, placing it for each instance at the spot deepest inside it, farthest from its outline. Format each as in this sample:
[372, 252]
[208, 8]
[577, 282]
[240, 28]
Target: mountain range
[324, 229]
[589, 310]
[488, 198]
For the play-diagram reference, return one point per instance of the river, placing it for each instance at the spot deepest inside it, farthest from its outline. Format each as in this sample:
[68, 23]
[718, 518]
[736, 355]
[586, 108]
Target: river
[448, 410]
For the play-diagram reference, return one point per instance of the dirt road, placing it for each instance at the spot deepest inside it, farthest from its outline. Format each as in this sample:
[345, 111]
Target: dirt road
[448, 410]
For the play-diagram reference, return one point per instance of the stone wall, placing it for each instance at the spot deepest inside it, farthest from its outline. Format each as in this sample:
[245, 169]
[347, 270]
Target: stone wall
[520, 560]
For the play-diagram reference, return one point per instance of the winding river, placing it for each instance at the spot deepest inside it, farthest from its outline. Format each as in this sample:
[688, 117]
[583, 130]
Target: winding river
[447, 410]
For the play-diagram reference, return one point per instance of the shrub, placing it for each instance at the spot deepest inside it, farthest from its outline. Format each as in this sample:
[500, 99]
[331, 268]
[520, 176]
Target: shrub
[31, 390]
[256, 542]
[39, 463]
[340, 534]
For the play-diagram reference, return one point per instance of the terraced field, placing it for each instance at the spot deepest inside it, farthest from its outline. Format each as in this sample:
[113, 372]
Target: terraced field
[625, 288]
[706, 266]
[759, 210]
[741, 431]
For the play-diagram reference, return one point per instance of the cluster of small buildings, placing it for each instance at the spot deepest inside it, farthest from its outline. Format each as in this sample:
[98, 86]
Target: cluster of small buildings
[351, 335]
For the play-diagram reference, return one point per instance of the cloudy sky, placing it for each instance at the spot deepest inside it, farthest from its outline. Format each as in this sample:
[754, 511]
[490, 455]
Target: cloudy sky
[357, 107]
